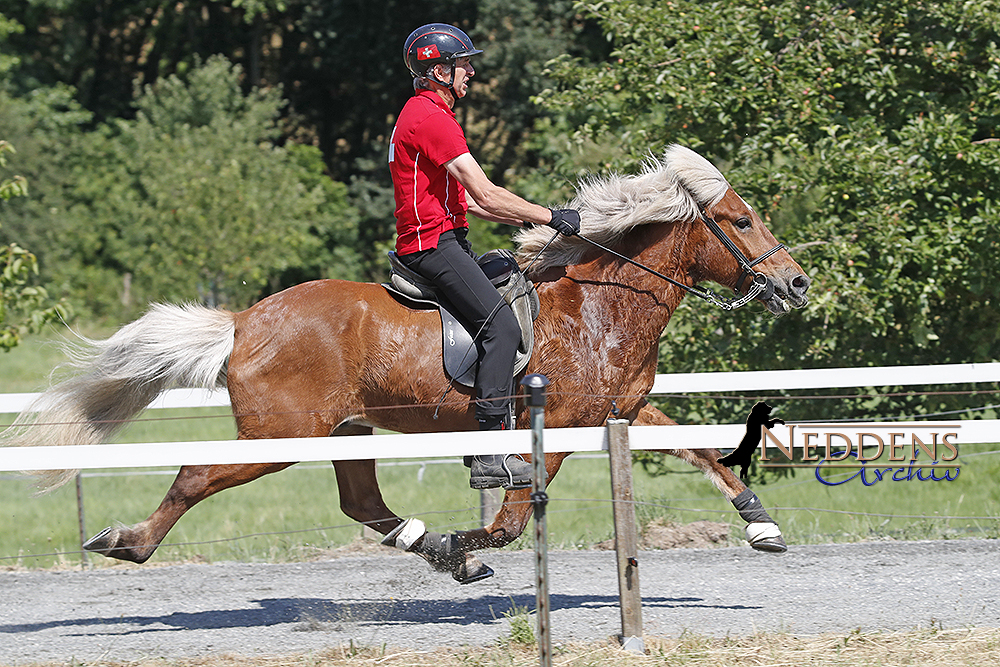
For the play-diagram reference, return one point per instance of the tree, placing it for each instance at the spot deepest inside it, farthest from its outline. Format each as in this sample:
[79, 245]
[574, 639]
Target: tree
[24, 307]
[191, 200]
[338, 64]
[864, 132]
[197, 201]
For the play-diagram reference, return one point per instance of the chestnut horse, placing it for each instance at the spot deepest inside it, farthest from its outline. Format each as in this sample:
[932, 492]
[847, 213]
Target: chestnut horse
[338, 358]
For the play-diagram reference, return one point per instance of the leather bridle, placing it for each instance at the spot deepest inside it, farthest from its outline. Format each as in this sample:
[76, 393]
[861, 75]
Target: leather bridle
[761, 286]
[745, 264]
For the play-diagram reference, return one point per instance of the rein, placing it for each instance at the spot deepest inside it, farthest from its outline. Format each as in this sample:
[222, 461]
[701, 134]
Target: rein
[761, 285]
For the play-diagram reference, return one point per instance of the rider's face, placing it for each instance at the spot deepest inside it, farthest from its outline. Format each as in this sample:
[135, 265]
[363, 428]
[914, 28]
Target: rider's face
[463, 72]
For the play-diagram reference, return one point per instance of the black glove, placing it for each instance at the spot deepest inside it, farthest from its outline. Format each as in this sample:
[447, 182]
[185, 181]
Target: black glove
[565, 221]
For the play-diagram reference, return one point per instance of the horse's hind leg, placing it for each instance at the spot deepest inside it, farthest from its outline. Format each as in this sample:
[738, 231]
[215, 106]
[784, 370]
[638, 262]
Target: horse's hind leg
[361, 499]
[192, 485]
[762, 531]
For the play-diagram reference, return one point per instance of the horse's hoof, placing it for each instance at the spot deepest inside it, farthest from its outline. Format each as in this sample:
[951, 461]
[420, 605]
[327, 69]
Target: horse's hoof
[472, 570]
[766, 536]
[109, 542]
[442, 552]
[103, 542]
[774, 545]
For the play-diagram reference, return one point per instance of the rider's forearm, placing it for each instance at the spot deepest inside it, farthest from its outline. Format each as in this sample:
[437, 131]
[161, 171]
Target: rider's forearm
[481, 213]
[491, 198]
[505, 206]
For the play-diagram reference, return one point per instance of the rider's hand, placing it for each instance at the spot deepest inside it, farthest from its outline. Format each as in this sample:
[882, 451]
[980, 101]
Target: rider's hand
[565, 221]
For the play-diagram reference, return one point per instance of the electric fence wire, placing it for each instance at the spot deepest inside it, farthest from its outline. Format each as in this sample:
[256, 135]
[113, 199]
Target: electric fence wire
[578, 500]
[457, 525]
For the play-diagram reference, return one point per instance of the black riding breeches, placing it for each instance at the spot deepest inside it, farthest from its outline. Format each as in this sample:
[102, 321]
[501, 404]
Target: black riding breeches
[453, 270]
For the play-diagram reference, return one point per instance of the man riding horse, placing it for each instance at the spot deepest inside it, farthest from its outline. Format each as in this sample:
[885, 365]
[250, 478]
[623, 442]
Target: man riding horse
[436, 182]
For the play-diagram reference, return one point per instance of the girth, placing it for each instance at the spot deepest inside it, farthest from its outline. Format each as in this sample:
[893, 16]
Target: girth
[459, 353]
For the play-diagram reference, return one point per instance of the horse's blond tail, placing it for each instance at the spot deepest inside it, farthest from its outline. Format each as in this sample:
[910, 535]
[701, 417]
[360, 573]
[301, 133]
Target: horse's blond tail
[170, 346]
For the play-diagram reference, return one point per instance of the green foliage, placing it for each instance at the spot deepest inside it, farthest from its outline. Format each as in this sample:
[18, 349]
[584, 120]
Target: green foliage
[339, 70]
[866, 136]
[191, 200]
[24, 306]
[254, 8]
[7, 28]
[197, 200]
[16, 186]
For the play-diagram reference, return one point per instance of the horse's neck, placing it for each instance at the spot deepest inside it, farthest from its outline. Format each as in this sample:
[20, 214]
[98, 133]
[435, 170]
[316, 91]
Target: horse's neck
[622, 304]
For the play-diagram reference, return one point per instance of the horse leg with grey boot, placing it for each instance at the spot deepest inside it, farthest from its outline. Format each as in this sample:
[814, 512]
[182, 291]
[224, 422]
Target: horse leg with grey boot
[762, 531]
[442, 551]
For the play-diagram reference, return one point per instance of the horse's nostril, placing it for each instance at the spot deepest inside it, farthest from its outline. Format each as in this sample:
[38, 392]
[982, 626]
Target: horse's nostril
[801, 283]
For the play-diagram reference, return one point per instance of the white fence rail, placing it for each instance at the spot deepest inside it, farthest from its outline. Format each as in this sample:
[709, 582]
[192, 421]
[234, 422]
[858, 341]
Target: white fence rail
[457, 444]
[420, 445]
[677, 383]
[826, 378]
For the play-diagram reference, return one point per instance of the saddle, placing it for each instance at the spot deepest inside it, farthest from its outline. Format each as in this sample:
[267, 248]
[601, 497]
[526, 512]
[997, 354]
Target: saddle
[459, 352]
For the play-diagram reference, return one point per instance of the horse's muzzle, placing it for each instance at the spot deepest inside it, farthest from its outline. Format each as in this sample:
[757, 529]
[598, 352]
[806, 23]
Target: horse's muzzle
[784, 292]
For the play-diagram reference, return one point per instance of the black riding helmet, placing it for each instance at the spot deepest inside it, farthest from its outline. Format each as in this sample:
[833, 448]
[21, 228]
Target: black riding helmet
[436, 43]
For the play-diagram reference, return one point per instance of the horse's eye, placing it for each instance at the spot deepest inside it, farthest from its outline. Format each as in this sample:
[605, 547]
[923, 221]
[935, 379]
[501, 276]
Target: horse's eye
[743, 223]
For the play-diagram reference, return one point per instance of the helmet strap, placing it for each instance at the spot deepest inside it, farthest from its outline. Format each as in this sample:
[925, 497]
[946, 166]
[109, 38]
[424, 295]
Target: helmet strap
[449, 85]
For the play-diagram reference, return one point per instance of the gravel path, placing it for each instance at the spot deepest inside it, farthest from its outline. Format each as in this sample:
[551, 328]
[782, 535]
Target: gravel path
[397, 600]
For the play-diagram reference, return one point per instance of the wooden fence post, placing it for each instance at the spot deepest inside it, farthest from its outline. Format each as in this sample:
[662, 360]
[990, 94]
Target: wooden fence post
[81, 521]
[626, 535]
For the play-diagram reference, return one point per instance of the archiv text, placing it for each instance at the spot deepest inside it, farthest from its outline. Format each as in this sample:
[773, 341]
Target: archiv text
[914, 451]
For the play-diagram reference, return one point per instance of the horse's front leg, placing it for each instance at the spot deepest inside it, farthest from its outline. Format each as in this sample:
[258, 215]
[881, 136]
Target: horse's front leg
[762, 531]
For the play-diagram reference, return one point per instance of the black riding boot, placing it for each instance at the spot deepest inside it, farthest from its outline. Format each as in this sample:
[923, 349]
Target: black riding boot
[490, 471]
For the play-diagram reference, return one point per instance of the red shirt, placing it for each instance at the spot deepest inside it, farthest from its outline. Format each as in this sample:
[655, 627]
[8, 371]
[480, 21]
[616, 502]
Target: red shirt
[429, 200]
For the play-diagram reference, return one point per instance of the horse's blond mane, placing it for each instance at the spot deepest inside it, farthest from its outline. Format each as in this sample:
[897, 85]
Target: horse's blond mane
[673, 187]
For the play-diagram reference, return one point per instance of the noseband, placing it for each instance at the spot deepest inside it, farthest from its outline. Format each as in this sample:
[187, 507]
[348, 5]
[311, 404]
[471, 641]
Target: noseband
[760, 286]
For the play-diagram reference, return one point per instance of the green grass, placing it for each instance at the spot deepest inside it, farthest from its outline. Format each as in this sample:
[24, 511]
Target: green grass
[522, 622]
[26, 368]
[289, 515]
[811, 512]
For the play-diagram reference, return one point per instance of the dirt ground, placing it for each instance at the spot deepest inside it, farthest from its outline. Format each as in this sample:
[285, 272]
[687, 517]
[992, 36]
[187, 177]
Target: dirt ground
[661, 534]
